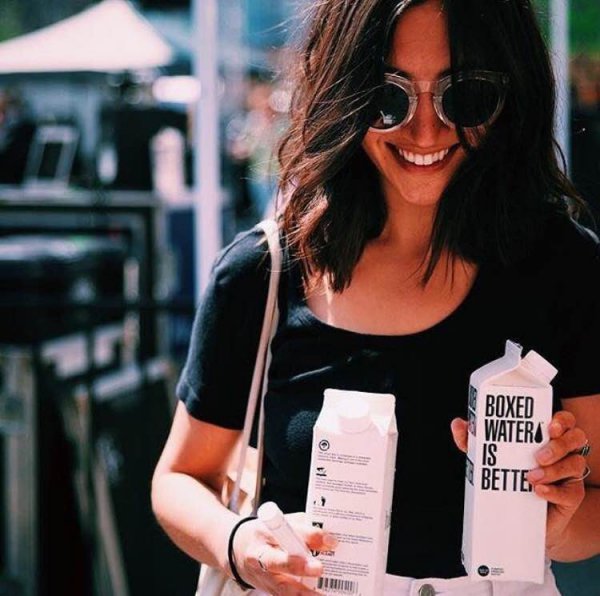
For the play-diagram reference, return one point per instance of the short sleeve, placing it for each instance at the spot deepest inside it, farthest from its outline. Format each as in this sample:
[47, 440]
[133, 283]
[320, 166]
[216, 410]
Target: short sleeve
[216, 378]
[579, 326]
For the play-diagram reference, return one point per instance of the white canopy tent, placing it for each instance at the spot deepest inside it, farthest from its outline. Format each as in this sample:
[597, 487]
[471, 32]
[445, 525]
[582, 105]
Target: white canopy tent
[57, 68]
[108, 37]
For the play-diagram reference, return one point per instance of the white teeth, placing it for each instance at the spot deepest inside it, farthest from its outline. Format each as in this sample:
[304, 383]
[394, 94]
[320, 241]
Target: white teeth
[423, 160]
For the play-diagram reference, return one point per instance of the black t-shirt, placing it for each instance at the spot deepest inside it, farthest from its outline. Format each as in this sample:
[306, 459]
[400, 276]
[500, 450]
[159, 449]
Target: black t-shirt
[549, 302]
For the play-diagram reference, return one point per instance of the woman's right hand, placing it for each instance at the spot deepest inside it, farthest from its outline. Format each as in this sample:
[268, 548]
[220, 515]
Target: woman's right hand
[262, 564]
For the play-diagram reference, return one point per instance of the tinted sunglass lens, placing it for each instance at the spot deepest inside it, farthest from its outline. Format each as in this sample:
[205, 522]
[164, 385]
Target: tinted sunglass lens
[471, 102]
[391, 107]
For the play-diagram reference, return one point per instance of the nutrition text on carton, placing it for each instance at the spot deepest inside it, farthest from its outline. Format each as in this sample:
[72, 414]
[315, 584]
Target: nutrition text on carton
[508, 419]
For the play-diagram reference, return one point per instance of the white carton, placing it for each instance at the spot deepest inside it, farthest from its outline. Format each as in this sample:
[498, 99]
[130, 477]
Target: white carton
[504, 528]
[350, 488]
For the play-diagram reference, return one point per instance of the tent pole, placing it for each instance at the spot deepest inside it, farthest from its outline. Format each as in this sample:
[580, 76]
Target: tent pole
[559, 36]
[206, 191]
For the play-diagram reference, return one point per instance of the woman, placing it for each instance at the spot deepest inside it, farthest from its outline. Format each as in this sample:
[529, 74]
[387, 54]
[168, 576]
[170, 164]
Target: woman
[426, 224]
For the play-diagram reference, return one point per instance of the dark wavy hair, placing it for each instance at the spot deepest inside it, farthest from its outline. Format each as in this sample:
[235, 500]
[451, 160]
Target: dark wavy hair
[496, 199]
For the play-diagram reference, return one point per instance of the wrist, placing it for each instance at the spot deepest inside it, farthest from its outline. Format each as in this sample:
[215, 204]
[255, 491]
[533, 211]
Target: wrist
[556, 546]
[232, 563]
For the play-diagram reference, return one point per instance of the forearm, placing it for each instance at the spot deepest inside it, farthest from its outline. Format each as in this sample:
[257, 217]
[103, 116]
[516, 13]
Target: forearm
[193, 517]
[582, 536]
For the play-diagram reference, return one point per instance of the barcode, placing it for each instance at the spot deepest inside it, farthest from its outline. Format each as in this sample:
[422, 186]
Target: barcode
[338, 585]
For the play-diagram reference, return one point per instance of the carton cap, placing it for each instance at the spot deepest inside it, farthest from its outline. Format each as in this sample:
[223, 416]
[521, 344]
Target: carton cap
[539, 366]
[270, 514]
[354, 415]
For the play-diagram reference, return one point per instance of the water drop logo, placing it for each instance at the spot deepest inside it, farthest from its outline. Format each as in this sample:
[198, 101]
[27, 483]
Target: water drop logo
[539, 437]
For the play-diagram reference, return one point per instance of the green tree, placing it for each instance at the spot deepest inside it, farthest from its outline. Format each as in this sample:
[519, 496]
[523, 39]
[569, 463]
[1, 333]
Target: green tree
[584, 24]
[10, 19]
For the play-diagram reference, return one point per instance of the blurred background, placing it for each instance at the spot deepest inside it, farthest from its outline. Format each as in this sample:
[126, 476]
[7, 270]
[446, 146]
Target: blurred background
[136, 139]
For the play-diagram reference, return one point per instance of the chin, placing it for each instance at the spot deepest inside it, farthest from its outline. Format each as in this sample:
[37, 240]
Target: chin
[420, 194]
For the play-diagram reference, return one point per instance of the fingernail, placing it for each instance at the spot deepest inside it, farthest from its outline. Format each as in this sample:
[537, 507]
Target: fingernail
[314, 566]
[544, 454]
[535, 475]
[556, 426]
[330, 541]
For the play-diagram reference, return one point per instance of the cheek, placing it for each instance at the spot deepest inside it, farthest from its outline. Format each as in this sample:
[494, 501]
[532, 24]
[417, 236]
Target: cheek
[376, 150]
[369, 145]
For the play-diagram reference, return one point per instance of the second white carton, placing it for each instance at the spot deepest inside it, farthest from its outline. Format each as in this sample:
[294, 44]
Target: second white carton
[351, 486]
[510, 407]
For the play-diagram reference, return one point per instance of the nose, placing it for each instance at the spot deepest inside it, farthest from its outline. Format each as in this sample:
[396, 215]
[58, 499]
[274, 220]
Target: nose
[425, 126]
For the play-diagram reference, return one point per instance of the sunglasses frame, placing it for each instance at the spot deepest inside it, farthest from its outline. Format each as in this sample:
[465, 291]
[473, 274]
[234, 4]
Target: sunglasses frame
[437, 88]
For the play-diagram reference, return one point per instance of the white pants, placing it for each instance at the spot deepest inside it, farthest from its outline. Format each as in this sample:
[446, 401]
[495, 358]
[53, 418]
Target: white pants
[463, 586]
[459, 586]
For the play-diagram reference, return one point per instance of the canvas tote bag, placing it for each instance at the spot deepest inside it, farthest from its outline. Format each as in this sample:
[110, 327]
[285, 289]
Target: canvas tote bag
[241, 492]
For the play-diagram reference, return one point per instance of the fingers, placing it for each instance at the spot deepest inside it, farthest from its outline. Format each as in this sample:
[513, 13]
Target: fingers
[561, 468]
[459, 428]
[284, 585]
[557, 448]
[561, 422]
[558, 459]
[275, 572]
[314, 537]
[566, 496]
[572, 466]
[263, 564]
[275, 560]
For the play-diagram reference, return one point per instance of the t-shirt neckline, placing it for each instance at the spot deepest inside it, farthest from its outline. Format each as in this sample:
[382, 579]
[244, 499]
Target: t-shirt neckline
[309, 317]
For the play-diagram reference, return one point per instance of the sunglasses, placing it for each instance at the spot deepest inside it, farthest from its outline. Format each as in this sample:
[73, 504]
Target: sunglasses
[474, 98]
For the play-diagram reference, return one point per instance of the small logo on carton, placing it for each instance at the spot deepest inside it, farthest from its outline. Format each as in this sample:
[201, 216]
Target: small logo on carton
[483, 570]
[324, 445]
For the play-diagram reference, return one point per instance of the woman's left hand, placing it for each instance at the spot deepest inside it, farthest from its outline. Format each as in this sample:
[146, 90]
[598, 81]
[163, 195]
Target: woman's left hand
[559, 476]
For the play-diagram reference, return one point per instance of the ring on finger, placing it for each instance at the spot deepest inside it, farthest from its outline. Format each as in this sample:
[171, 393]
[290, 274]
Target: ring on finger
[585, 474]
[585, 450]
[260, 563]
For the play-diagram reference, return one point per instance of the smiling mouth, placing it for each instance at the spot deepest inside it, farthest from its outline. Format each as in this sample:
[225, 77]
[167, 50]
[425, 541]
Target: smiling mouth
[426, 159]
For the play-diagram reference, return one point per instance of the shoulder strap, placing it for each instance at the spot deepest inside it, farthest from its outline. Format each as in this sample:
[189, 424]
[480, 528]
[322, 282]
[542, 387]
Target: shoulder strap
[258, 385]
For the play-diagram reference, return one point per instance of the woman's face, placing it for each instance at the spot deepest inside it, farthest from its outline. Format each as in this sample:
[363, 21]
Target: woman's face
[420, 51]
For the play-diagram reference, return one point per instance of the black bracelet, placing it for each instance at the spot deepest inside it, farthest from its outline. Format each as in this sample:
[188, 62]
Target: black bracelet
[234, 571]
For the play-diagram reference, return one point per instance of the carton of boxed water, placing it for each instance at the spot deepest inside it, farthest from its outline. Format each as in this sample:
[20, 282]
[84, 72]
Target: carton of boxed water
[350, 488]
[510, 407]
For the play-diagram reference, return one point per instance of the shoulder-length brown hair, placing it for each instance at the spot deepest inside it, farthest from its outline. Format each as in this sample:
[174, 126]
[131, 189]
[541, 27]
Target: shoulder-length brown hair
[334, 204]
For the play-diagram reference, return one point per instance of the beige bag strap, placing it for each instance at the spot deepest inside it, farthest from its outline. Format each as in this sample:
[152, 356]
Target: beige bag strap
[258, 385]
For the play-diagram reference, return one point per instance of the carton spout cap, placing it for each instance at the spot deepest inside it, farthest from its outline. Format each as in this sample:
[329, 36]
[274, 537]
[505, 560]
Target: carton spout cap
[270, 514]
[539, 366]
[354, 416]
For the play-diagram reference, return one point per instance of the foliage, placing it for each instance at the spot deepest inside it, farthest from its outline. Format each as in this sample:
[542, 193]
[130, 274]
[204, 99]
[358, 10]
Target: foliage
[584, 23]
[10, 19]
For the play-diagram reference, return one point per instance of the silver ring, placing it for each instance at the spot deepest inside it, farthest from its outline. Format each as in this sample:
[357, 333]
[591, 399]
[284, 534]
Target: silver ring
[585, 474]
[260, 563]
[585, 450]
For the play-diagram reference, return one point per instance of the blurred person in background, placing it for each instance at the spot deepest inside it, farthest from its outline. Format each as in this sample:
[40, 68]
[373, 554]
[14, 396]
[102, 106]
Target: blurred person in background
[585, 130]
[426, 221]
[16, 133]
[252, 143]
